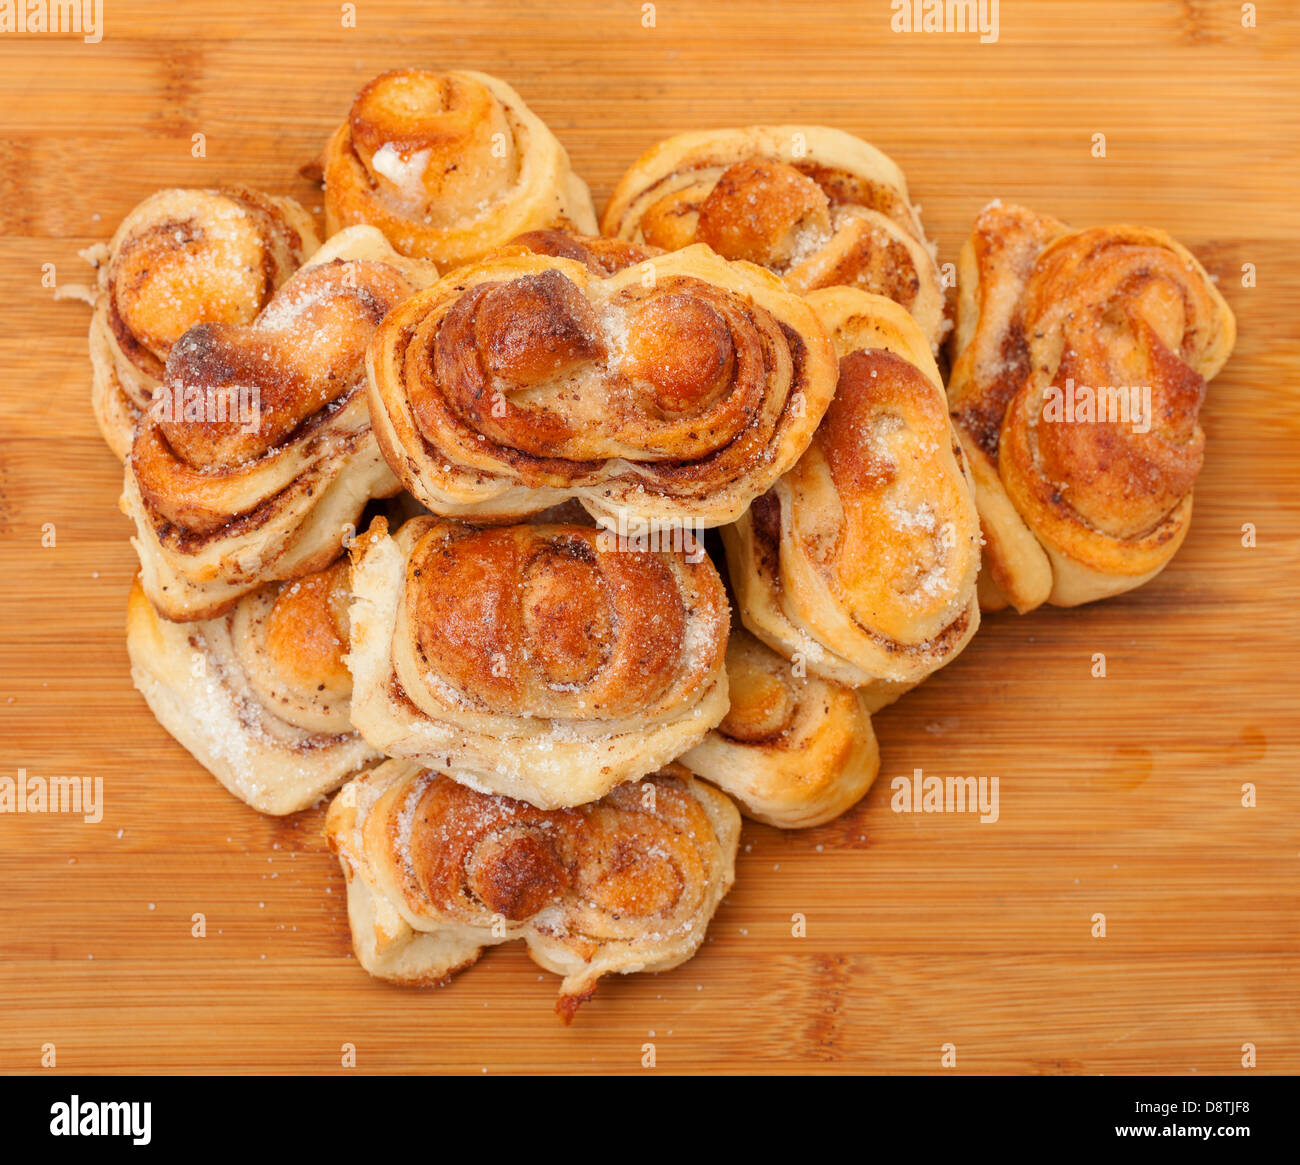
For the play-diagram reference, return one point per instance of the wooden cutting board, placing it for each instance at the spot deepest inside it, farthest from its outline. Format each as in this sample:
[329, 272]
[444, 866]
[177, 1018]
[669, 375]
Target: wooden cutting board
[1119, 796]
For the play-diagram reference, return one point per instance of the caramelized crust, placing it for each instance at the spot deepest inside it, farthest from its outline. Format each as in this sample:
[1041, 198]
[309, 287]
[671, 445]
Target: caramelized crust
[906, 545]
[860, 564]
[543, 662]
[437, 871]
[307, 632]
[526, 379]
[258, 452]
[180, 258]
[449, 166]
[601, 256]
[757, 208]
[1089, 499]
[538, 621]
[305, 351]
[817, 206]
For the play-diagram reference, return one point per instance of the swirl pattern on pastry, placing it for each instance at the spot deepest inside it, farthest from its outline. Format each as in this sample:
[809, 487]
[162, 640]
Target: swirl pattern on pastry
[600, 255]
[182, 257]
[437, 871]
[795, 751]
[1081, 364]
[260, 696]
[861, 562]
[818, 206]
[257, 456]
[449, 166]
[547, 663]
[676, 389]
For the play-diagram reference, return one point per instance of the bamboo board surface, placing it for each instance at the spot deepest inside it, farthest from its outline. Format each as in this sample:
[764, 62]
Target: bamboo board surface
[1119, 795]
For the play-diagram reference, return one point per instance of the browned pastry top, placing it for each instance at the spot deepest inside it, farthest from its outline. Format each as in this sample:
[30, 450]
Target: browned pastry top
[299, 361]
[1120, 312]
[543, 621]
[764, 210]
[600, 255]
[197, 256]
[763, 697]
[307, 631]
[461, 124]
[528, 363]
[620, 866]
[897, 552]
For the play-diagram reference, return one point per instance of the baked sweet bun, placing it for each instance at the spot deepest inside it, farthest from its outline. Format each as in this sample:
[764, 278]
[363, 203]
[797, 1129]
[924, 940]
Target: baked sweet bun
[600, 255]
[860, 564]
[256, 456]
[436, 872]
[182, 257]
[1081, 360]
[547, 663]
[449, 166]
[260, 696]
[818, 206]
[794, 750]
[674, 390]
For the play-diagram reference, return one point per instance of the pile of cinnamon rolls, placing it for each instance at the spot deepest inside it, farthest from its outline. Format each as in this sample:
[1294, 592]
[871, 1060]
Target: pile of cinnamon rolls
[423, 511]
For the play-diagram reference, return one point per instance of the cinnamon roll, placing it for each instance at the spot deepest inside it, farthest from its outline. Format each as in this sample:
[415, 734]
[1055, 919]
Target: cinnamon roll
[675, 390]
[182, 257]
[547, 663]
[437, 871]
[1081, 364]
[818, 206]
[795, 751]
[259, 696]
[256, 456]
[449, 166]
[860, 564]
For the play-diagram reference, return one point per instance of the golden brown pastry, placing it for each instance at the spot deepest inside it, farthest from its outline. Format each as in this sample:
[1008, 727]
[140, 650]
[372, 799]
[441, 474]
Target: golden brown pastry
[600, 255]
[860, 564]
[182, 257]
[818, 206]
[547, 663]
[449, 166]
[1081, 364]
[256, 456]
[260, 695]
[436, 872]
[795, 751]
[674, 390]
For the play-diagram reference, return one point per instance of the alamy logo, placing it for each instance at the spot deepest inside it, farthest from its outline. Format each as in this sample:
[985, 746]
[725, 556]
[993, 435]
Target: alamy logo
[102, 1118]
[658, 535]
[1116, 404]
[194, 405]
[84, 18]
[84, 795]
[946, 16]
[922, 794]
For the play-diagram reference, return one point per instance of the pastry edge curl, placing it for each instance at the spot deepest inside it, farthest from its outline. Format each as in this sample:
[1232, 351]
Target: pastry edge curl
[161, 654]
[275, 554]
[813, 769]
